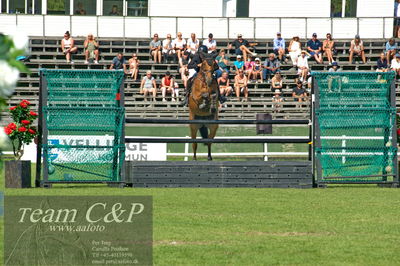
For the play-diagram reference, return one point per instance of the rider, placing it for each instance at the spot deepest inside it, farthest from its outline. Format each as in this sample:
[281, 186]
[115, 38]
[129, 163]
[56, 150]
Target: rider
[193, 68]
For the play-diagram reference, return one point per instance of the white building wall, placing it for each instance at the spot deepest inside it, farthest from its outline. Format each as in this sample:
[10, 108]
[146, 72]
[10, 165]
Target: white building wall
[375, 8]
[186, 8]
[292, 8]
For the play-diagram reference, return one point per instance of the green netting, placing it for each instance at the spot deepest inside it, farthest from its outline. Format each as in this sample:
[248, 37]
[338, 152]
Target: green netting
[84, 124]
[355, 122]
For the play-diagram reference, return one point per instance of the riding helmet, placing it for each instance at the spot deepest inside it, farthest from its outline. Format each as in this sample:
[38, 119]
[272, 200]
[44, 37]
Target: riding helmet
[203, 49]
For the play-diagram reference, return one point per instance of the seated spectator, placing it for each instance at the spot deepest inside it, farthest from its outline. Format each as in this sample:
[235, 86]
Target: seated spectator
[314, 47]
[168, 85]
[276, 82]
[148, 86]
[294, 50]
[335, 67]
[224, 87]
[91, 49]
[248, 67]
[395, 64]
[357, 48]
[382, 64]
[257, 70]
[328, 46]
[155, 49]
[302, 65]
[242, 47]
[183, 67]
[114, 11]
[80, 10]
[299, 93]
[271, 66]
[239, 64]
[68, 46]
[222, 61]
[179, 45]
[192, 44]
[210, 43]
[241, 85]
[277, 99]
[391, 49]
[279, 47]
[134, 66]
[119, 63]
[168, 49]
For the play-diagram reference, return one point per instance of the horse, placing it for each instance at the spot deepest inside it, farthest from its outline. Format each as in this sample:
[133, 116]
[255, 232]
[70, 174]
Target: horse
[203, 102]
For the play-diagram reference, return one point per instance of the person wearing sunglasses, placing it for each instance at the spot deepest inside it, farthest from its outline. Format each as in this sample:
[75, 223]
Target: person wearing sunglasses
[91, 49]
[155, 49]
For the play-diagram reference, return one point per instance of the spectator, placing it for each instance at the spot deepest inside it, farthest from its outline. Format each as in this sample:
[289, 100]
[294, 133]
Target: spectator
[391, 49]
[276, 82]
[179, 45]
[242, 47]
[222, 61]
[224, 88]
[271, 65]
[210, 43]
[167, 85]
[279, 47]
[314, 47]
[294, 49]
[114, 11]
[335, 67]
[328, 46]
[357, 48]
[68, 46]
[257, 70]
[183, 67]
[239, 64]
[148, 86]
[277, 101]
[302, 65]
[299, 93]
[382, 64]
[192, 44]
[168, 49]
[395, 64]
[155, 49]
[80, 10]
[241, 85]
[248, 67]
[119, 63]
[134, 66]
[91, 49]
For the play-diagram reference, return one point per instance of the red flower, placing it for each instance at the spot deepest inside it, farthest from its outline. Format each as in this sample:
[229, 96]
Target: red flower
[32, 113]
[398, 132]
[25, 122]
[13, 108]
[26, 102]
[12, 126]
[8, 130]
[23, 105]
[22, 129]
[33, 132]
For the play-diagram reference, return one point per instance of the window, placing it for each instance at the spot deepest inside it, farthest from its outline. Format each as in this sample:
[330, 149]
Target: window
[58, 7]
[137, 8]
[85, 7]
[242, 9]
[17, 6]
[34, 5]
[113, 7]
[350, 9]
[3, 6]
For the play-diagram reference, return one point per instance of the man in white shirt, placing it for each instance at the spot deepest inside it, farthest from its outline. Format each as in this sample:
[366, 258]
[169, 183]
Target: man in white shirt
[193, 44]
[179, 45]
[168, 48]
[210, 43]
[302, 65]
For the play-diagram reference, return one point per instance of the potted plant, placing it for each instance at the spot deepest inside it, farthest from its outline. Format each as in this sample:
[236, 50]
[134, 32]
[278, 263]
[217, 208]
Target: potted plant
[21, 132]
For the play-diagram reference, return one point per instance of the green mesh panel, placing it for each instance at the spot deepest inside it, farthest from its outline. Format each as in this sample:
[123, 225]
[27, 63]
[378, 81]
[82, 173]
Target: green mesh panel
[84, 123]
[356, 121]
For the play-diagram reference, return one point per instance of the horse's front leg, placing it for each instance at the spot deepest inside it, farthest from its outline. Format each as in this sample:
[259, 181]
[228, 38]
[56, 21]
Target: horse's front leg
[193, 134]
[213, 132]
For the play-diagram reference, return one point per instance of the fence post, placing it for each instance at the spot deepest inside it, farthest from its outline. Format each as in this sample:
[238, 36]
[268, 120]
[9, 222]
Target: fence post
[343, 151]
[186, 150]
[265, 151]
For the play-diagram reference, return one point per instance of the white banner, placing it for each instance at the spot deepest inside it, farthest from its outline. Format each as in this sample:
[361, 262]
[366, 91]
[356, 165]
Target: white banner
[133, 152]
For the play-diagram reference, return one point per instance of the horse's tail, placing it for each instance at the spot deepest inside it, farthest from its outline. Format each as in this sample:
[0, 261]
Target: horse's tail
[204, 132]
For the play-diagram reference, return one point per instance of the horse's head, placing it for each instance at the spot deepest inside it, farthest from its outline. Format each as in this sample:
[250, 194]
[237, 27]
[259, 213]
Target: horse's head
[208, 66]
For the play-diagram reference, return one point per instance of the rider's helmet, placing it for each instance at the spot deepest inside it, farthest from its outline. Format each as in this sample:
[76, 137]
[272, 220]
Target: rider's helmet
[202, 48]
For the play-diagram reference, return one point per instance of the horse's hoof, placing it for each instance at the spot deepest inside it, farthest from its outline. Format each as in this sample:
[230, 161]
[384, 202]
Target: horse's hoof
[209, 158]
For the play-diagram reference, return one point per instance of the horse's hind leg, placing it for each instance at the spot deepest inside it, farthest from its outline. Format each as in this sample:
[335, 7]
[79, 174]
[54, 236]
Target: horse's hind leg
[213, 132]
[193, 134]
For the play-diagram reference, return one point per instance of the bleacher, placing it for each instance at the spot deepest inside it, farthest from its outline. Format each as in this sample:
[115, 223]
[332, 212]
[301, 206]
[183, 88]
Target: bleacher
[46, 53]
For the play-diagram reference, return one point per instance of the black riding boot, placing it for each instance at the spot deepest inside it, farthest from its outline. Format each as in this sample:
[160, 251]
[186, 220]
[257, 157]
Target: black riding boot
[187, 92]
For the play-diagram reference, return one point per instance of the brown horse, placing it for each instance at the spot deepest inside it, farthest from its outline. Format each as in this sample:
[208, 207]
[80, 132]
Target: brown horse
[203, 101]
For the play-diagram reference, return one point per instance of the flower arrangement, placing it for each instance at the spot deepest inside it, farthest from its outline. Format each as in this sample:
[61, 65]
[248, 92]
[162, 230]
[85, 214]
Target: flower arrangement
[21, 131]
